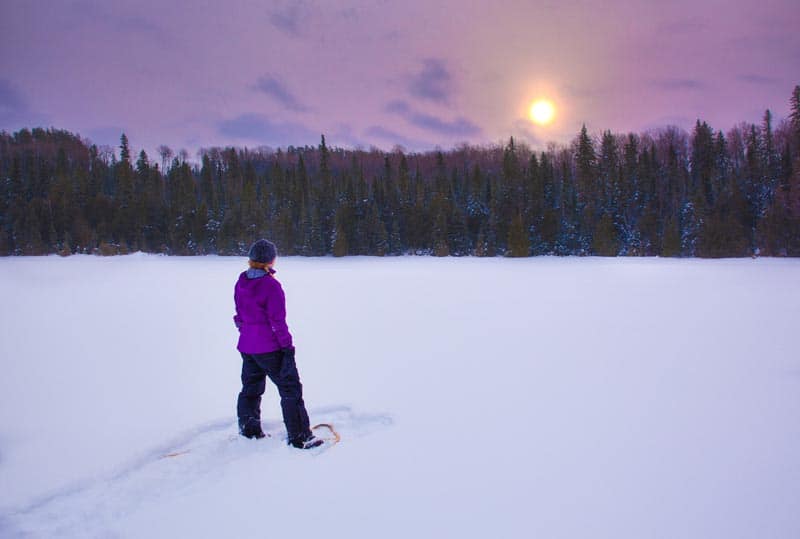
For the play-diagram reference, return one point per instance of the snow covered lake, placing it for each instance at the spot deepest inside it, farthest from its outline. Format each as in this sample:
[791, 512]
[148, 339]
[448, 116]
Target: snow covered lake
[545, 397]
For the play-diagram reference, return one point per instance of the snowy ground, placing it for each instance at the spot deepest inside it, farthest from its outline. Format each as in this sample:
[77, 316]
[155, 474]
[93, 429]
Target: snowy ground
[547, 397]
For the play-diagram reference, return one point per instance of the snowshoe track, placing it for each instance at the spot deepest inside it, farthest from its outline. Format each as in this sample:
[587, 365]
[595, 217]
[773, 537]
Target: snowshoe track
[166, 471]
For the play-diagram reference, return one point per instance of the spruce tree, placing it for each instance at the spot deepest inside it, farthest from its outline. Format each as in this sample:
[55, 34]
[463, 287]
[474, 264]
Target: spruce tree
[395, 239]
[439, 235]
[769, 155]
[125, 210]
[671, 239]
[339, 246]
[457, 235]
[703, 163]
[794, 115]
[585, 169]
[605, 240]
[608, 174]
[665, 192]
[519, 243]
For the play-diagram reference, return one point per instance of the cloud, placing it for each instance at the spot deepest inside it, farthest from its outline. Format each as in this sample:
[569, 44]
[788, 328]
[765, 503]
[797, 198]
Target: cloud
[275, 89]
[522, 131]
[433, 82]
[97, 12]
[398, 107]
[393, 138]
[12, 105]
[140, 25]
[350, 13]
[260, 129]
[677, 84]
[287, 19]
[459, 127]
[758, 79]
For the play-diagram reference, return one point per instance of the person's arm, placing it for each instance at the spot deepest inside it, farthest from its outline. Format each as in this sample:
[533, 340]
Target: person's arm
[276, 312]
[237, 320]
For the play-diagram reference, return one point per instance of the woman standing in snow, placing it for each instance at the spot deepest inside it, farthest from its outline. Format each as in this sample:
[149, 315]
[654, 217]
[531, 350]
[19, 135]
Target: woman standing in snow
[266, 347]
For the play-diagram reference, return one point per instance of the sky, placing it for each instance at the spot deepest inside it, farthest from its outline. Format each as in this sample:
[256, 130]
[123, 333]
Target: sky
[420, 74]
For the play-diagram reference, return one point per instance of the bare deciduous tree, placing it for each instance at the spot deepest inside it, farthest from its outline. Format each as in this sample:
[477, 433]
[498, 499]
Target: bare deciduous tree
[166, 154]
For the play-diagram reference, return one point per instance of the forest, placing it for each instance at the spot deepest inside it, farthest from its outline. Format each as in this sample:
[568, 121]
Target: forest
[666, 192]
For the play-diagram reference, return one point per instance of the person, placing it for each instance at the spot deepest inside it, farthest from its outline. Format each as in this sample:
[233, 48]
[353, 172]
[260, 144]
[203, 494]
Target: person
[267, 350]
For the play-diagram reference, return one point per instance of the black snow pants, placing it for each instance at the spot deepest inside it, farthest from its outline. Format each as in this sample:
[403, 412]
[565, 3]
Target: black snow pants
[282, 370]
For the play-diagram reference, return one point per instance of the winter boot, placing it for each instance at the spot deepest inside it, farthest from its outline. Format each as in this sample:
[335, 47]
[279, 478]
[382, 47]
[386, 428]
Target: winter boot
[309, 442]
[252, 430]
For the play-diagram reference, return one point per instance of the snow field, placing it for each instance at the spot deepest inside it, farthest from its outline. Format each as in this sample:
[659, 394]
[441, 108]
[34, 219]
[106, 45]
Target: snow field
[553, 397]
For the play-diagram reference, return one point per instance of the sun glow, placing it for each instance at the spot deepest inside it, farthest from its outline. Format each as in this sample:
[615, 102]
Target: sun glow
[542, 112]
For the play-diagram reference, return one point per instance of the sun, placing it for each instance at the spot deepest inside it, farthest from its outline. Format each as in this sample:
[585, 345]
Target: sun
[542, 112]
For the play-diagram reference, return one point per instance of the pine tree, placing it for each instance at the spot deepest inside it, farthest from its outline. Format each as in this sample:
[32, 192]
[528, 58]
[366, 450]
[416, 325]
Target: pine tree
[703, 163]
[182, 206]
[519, 244]
[208, 191]
[439, 235]
[671, 242]
[608, 174]
[605, 241]
[794, 115]
[457, 236]
[139, 204]
[586, 169]
[124, 196]
[769, 154]
[754, 176]
[60, 200]
[486, 244]
[339, 245]
[665, 192]
[395, 239]
[32, 240]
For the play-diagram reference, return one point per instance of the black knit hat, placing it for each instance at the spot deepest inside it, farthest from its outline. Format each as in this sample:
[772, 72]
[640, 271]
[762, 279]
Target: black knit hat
[263, 251]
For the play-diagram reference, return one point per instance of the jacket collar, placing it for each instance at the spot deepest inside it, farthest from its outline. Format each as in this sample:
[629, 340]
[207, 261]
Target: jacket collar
[254, 273]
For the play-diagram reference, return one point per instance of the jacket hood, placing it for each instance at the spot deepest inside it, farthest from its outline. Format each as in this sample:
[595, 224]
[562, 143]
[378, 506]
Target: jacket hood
[256, 273]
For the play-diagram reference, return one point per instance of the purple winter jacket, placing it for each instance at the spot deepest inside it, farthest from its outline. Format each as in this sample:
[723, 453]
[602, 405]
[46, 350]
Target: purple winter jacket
[260, 313]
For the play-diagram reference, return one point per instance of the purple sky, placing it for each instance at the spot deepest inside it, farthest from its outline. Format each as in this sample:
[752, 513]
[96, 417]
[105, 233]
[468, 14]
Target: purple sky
[417, 73]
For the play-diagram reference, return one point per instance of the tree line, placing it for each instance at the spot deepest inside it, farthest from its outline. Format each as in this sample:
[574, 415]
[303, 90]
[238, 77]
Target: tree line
[666, 192]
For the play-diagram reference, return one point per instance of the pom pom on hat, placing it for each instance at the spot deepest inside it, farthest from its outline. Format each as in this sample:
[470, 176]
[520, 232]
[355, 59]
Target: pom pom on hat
[263, 251]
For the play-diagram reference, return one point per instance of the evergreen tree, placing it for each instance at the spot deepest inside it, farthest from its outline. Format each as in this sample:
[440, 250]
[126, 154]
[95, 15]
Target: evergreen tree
[671, 243]
[32, 239]
[608, 174]
[753, 183]
[457, 237]
[140, 218]
[605, 240]
[586, 170]
[339, 245]
[769, 155]
[439, 235]
[125, 210]
[519, 244]
[61, 203]
[703, 163]
[666, 192]
[395, 239]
